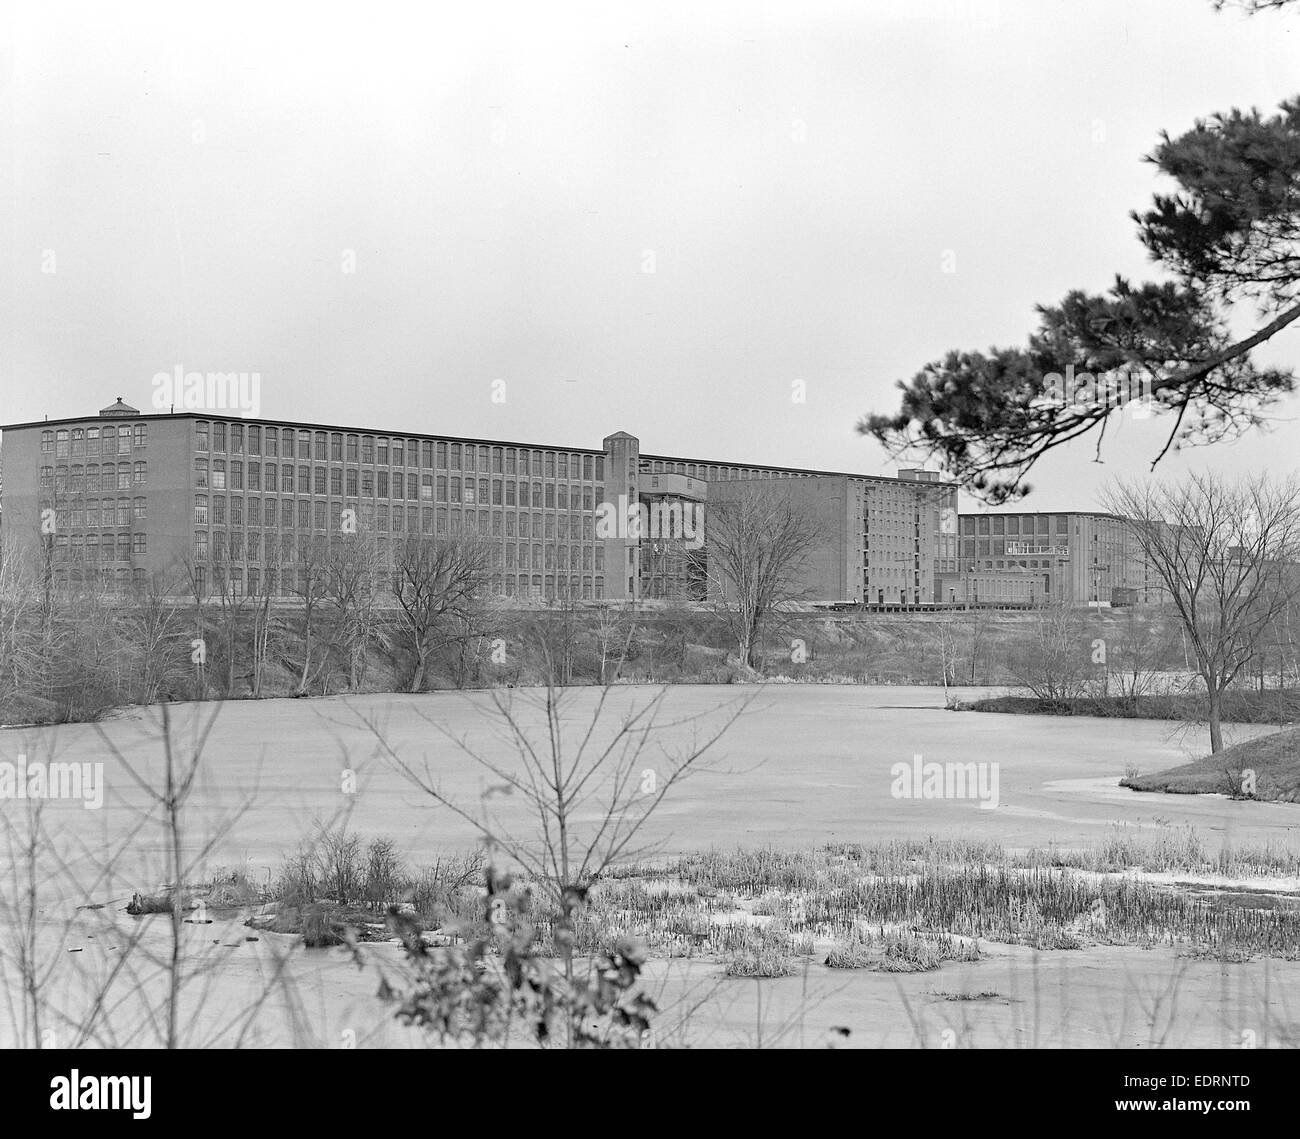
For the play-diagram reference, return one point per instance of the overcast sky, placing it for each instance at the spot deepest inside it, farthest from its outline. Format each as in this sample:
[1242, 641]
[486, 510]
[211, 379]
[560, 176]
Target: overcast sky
[796, 175]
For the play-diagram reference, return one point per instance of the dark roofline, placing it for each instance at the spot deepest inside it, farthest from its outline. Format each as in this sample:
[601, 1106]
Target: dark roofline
[272, 422]
[264, 421]
[893, 480]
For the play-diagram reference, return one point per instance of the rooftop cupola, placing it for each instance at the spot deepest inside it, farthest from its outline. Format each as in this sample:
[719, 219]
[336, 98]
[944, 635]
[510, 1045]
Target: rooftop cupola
[117, 409]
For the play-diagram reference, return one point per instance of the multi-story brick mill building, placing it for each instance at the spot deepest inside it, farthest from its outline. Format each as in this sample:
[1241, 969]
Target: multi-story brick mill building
[135, 495]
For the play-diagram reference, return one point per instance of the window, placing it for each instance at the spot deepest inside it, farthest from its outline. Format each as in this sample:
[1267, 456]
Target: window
[352, 483]
[272, 442]
[455, 456]
[336, 480]
[426, 453]
[398, 457]
[336, 447]
[367, 448]
[138, 473]
[123, 476]
[254, 439]
[61, 444]
[318, 480]
[47, 442]
[352, 448]
[304, 444]
[286, 479]
[236, 511]
[200, 547]
[200, 510]
[254, 476]
[218, 436]
[304, 480]
[321, 452]
[442, 456]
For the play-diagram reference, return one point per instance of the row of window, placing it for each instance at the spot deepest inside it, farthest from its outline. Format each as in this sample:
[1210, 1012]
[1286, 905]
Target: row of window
[338, 446]
[217, 474]
[95, 513]
[349, 517]
[1015, 524]
[93, 478]
[236, 546]
[92, 546]
[77, 442]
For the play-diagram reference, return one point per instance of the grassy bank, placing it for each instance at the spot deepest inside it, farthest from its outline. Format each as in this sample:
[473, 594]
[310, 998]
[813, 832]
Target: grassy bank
[1240, 706]
[1264, 768]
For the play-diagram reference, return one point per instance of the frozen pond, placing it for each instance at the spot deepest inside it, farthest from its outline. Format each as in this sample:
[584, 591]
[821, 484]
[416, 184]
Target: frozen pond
[803, 765]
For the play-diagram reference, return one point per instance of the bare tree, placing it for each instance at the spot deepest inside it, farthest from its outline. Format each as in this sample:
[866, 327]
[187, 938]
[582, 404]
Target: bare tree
[1053, 666]
[756, 547]
[352, 585]
[589, 780]
[1135, 653]
[616, 629]
[21, 667]
[945, 637]
[310, 570]
[1226, 554]
[153, 627]
[437, 583]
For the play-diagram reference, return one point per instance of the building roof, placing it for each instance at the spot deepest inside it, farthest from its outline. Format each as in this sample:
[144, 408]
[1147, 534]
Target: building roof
[297, 424]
